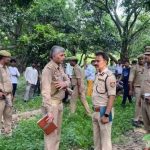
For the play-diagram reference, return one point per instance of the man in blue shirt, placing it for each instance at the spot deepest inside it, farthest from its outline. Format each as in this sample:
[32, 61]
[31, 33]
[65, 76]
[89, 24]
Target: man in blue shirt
[125, 79]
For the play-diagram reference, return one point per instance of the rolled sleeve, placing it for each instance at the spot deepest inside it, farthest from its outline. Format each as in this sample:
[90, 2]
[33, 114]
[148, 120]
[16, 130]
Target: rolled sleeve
[132, 75]
[78, 73]
[111, 85]
[46, 89]
[66, 80]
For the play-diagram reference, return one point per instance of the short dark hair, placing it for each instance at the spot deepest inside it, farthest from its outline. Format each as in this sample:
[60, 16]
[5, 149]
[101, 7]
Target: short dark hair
[104, 55]
[126, 61]
[75, 60]
[1, 57]
[92, 61]
[134, 61]
[13, 60]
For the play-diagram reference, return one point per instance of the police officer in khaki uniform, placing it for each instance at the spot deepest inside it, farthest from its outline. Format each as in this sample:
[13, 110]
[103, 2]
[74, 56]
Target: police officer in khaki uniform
[5, 93]
[104, 92]
[145, 92]
[135, 79]
[78, 87]
[54, 83]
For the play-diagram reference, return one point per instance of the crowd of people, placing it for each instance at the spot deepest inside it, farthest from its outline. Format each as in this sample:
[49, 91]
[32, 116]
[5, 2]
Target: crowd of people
[105, 80]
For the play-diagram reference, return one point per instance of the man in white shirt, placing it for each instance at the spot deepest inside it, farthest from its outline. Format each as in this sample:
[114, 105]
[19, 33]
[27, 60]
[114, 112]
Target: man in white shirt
[14, 74]
[90, 76]
[31, 77]
[119, 68]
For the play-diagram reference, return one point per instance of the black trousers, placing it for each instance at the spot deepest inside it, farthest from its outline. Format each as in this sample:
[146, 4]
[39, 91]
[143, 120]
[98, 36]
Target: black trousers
[14, 88]
[126, 94]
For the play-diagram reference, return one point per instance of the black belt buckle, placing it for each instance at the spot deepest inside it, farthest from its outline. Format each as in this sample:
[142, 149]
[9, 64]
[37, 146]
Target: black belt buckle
[147, 100]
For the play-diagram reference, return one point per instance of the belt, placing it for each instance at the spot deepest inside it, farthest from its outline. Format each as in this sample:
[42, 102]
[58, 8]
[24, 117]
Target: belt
[137, 86]
[56, 102]
[96, 109]
[146, 100]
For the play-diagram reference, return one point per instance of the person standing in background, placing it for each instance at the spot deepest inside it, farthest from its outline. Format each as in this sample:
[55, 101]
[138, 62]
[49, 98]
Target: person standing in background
[31, 77]
[37, 89]
[135, 81]
[119, 69]
[5, 93]
[14, 74]
[125, 79]
[112, 67]
[90, 72]
[145, 94]
[68, 70]
[78, 87]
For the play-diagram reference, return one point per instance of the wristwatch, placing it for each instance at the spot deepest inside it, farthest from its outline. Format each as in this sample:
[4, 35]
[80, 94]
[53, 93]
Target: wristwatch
[106, 115]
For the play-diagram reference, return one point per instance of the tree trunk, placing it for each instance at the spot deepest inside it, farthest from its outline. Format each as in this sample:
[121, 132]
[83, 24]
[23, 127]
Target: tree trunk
[124, 55]
[81, 59]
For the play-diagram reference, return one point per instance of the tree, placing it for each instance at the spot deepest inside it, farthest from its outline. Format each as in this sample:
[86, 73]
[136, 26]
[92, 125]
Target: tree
[133, 21]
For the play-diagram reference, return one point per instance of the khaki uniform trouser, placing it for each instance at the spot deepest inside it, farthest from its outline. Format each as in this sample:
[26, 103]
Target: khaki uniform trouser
[6, 113]
[138, 111]
[29, 91]
[102, 133]
[74, 98]
[52, 140]
[146, 115]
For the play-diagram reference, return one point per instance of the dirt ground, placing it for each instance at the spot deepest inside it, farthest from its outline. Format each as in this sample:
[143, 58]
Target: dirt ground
[133, 141]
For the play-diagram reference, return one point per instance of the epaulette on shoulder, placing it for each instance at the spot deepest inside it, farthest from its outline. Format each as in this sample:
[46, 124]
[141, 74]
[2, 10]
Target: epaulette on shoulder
[109, 73]
[49, 65]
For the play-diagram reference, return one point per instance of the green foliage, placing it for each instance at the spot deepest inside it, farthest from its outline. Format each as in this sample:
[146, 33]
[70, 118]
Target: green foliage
[122, 120]
[27, 136]
[146, 137]
[34, 26]
[33, 104]
[19, 104]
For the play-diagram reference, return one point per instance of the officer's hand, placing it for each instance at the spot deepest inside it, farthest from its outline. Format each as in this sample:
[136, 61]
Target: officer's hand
[60, 85]
[130, 92]
[2, 94]
[50, 117]
[105, 120]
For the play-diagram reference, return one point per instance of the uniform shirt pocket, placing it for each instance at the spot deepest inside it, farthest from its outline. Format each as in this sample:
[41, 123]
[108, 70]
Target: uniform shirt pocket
[100, 87]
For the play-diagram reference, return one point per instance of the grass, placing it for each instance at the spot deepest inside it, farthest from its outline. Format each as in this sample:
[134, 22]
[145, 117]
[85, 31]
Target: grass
[76, 130]
[19, 104]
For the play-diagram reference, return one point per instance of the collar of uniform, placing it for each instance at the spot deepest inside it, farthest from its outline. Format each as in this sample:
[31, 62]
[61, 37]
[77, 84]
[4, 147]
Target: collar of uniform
[54, 64]
[103, 72]
[2, 66]
[148, 66]
[76, 65]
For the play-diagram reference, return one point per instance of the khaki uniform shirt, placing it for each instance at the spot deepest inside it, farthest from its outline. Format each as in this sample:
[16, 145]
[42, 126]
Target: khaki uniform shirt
[136, 75]
[5, 80]
[104, 86]
[145, 86]
[52, 73]
[77, 73]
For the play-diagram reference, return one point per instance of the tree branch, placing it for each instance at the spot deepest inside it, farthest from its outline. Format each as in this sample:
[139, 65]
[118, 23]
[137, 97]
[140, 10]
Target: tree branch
[117, 18]
[134, 20]
[143, 26]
